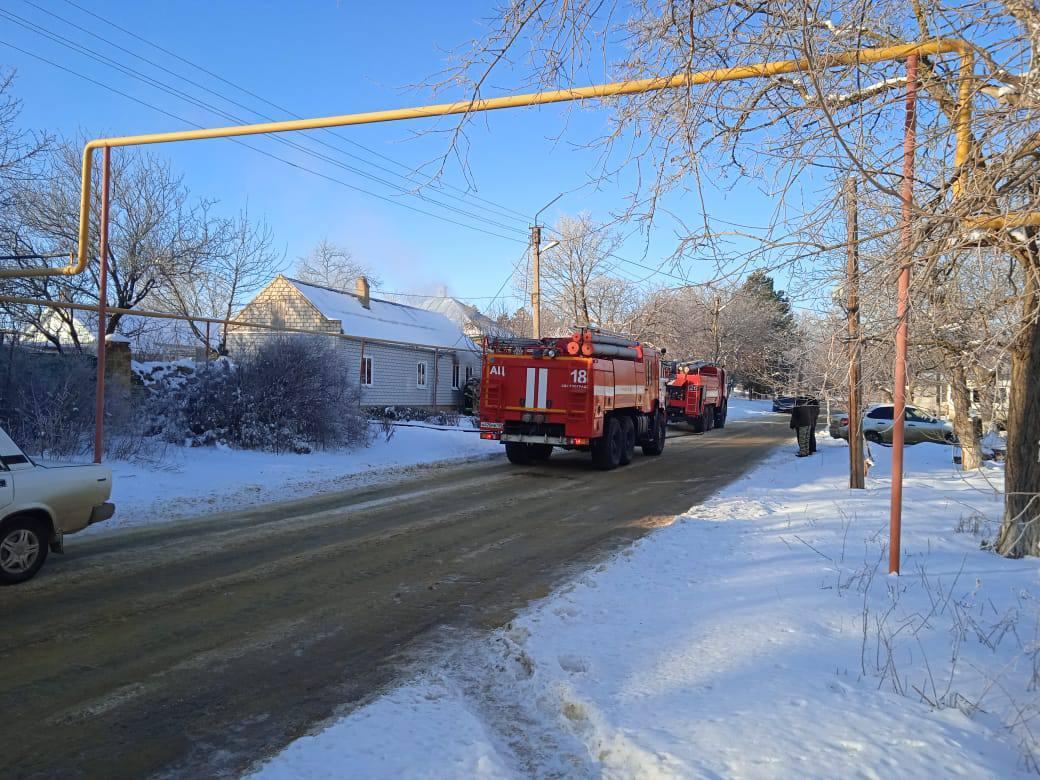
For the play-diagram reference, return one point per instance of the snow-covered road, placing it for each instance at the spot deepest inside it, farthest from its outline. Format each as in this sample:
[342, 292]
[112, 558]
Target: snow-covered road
[758, 636]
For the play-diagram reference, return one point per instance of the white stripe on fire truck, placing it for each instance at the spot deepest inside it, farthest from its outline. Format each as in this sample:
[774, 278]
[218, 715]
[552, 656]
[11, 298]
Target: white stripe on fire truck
[543, 386]
[529, 395]
[620, 390]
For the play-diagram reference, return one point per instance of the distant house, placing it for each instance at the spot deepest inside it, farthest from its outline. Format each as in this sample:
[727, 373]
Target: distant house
[401, 355]
[473, 323]
[149, 338]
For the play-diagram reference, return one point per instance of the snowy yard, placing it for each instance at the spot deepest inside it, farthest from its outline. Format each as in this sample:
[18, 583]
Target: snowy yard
[192, 481]
[757, 636]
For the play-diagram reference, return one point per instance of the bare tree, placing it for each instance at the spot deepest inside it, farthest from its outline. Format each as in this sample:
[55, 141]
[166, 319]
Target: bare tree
[157, 236]
[332, 265]
[239, 260]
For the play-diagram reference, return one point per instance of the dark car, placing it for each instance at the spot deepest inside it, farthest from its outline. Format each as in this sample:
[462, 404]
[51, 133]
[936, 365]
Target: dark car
[784, 403]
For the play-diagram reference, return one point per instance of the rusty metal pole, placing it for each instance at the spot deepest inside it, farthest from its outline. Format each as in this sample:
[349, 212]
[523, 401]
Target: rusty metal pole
[902, 320]
[99, 403]
[856, 475]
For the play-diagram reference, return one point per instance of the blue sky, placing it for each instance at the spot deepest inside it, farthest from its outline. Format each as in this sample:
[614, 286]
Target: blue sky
[324, 57]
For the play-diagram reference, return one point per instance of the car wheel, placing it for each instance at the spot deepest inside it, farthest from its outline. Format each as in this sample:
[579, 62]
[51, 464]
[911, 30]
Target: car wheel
[628, 432]
[23, 549]
[872, 436]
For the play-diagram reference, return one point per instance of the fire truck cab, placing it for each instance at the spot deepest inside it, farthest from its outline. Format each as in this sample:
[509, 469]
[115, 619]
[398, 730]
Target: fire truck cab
[593, 391]
[697, 395]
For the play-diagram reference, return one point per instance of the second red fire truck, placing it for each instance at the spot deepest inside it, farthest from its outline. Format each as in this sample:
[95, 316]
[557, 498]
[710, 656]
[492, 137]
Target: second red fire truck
[697, 395]
[595, 391]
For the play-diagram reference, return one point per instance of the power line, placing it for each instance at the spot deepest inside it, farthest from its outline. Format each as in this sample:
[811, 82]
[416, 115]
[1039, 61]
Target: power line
[206, 106]
[328, 131]
[171, 90]
[247, 145]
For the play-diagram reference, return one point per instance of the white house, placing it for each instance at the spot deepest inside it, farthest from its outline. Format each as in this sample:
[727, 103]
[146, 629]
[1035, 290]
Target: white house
[402, 355]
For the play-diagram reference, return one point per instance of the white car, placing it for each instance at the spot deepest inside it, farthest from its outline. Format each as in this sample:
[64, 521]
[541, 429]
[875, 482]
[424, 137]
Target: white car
[40, 504]
[879, 422]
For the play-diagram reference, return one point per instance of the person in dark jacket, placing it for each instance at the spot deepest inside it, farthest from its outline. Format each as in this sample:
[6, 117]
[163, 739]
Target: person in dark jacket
[814, 405]
[801, 421]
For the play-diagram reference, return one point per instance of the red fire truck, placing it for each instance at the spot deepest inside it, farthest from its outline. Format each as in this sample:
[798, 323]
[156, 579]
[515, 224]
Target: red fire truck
[594, 391]
[697, 395]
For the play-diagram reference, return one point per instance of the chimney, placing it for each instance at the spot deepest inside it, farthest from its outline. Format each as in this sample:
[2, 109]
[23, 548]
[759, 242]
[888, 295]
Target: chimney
[361, 287]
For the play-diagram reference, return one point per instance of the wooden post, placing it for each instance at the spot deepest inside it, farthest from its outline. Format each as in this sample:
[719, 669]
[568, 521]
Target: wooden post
[895, 521]
[856, 464]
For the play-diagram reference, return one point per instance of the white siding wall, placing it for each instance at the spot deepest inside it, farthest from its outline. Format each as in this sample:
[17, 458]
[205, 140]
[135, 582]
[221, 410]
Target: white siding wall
[394, 376]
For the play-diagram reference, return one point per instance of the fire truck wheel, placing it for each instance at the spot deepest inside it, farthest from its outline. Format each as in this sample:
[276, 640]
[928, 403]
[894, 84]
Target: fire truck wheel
[709, 418]
[539, 451]
[628, 431]
[720, 415]
[659, 432]
[606, 451]
[518, 454]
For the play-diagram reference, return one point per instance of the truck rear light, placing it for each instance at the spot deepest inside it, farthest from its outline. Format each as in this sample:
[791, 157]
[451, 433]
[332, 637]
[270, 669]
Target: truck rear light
[488, 435]
[580, 442]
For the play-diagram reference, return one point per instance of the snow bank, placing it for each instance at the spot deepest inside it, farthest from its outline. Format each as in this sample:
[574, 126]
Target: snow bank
[199, 480]
[758, 636]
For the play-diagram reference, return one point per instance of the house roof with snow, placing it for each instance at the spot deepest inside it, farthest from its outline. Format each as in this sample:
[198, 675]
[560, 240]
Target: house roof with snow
[381, 320]
[469, 318]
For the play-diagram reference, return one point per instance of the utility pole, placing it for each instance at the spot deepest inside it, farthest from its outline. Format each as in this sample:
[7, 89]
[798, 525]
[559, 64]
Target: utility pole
[536, 283]
[536, 270]
[856, 470]
[716, 334]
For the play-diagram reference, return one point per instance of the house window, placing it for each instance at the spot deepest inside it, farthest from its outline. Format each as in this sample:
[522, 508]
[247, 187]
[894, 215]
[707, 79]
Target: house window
[455, 376]
[469, 373]
[420, 374]
[366, 372]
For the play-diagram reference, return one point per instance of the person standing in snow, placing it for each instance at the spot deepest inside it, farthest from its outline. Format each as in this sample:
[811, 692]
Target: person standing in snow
[814, 406]
[801, 421]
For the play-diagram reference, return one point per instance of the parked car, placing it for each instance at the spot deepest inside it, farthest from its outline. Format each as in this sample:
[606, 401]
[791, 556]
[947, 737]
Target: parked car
[784, 403]
[39, 504]
[878, 423]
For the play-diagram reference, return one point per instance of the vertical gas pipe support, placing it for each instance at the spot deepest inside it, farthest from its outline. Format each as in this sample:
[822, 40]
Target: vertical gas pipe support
[856, 475]
[99, 401]
[902, 320]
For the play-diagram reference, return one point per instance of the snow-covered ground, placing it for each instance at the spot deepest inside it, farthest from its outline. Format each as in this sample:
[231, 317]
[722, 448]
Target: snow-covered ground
[194, 481]
[758, 636]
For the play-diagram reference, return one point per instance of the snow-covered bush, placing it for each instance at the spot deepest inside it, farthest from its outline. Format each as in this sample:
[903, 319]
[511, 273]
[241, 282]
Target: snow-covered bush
[290, 394]
[47, 401]
[47, 407]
